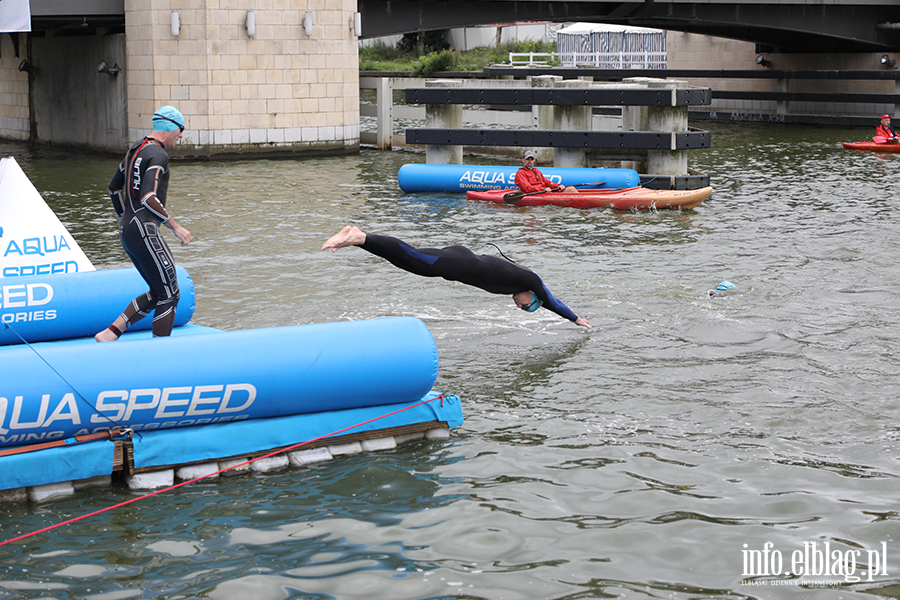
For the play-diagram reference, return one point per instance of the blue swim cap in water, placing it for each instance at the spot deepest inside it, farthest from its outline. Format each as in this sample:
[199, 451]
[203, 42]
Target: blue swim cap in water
[725, 286]
[535, 303]
[722, 289]
[168, 118]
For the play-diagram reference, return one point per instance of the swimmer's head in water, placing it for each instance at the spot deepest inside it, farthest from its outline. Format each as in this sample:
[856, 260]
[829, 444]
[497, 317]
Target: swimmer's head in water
[722, 289]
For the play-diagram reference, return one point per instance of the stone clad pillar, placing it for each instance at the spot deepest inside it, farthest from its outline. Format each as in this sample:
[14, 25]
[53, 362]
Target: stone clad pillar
[542, 117]
[289, 84]
[782, 107]
[384, 99]
[443, 116]
[670, 119]
[896, 110]
[571, 118]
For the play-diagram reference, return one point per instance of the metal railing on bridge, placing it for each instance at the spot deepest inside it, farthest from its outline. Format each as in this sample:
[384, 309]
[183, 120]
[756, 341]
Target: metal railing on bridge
[602, 60]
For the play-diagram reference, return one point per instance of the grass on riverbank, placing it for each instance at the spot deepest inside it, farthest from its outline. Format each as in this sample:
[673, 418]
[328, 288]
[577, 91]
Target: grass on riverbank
[381, 57]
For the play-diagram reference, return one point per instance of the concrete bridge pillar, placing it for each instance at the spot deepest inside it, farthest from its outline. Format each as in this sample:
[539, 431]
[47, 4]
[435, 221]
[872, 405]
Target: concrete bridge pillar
[443, 116]
[781, 106]
[571, 118]
[896, 111]
[542, 116]
[384, 100]
[670, 119]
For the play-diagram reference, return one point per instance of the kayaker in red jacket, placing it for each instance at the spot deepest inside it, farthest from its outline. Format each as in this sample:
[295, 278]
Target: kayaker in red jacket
[529, 179]
[883, 131]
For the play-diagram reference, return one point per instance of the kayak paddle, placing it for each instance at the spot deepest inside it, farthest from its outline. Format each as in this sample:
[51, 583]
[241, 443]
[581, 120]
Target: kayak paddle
[513, 197]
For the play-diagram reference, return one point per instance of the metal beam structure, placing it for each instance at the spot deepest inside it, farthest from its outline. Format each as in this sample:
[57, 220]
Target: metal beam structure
[619, 74]
[562, 97]
[810, 26]
[530, 138]
[814, 26]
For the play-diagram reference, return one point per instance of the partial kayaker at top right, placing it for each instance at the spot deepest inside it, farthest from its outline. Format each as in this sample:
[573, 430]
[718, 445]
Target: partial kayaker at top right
[884, 133]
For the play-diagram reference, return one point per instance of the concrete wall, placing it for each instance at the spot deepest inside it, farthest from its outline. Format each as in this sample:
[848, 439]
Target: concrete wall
[279, 91]
[74, 104]
[14, 115]
[692, 51]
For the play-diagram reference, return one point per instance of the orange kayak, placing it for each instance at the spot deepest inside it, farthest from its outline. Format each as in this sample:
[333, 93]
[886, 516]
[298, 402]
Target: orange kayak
[635, 198]
[872, 147]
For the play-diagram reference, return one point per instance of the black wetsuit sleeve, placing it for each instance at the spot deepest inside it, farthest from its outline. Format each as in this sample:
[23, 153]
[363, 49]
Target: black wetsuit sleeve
[115, 189]
[155, 182]
[501, 276]
[552, 304]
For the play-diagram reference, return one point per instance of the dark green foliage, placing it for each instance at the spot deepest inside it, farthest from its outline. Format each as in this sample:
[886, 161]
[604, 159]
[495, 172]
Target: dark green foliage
[423, 42]
[381, 57]
[434, 62]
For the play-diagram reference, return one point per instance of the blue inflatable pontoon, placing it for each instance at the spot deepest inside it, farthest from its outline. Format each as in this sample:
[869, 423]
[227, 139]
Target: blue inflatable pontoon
[56, 307]
[463, 178]
[210, 395]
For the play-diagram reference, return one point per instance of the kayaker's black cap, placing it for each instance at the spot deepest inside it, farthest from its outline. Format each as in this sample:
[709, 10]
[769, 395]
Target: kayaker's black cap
[528, 154]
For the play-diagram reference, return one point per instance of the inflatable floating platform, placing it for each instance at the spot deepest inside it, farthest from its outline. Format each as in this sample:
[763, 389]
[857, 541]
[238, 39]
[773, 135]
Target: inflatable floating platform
[73, 411]
[464, 178]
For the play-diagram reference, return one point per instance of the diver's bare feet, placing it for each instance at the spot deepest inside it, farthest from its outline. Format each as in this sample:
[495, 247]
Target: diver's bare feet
[348, 236]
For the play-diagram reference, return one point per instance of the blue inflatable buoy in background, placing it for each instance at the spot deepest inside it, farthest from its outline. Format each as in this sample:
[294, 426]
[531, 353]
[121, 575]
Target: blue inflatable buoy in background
[463, 178]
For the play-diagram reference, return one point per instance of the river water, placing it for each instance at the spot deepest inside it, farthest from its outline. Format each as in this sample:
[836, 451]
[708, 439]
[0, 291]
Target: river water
[686, 447]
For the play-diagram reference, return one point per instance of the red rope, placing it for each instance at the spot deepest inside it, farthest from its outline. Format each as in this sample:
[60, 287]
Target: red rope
[183, 483]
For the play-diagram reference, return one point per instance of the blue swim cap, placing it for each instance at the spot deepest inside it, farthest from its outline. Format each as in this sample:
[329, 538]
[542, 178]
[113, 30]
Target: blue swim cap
[168, 118]
[725, 286]
[535, 303]
[722, 289]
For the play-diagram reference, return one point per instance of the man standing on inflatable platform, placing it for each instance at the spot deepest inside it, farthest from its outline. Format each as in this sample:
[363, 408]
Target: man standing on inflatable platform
[138, 191]
[457, 263]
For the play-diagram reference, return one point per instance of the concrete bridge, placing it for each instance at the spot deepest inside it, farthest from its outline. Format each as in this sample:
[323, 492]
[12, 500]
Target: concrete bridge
[272, 77]
[783, 25]
[809, 26]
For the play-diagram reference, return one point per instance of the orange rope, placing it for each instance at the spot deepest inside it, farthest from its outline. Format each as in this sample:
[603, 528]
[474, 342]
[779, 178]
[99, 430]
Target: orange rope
[183, 483]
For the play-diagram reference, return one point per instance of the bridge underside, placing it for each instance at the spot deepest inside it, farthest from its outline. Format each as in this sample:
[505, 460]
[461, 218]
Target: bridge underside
[809, 26]
[784, 26]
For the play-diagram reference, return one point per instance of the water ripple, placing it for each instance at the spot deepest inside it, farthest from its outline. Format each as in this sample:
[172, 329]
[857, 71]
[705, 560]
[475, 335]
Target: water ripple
[648, 458]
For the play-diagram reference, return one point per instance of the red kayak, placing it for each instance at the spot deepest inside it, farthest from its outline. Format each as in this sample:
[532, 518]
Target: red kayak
[873, 147]
[635, 198]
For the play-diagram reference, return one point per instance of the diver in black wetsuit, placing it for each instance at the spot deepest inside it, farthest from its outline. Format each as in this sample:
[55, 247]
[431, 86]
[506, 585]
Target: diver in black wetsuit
[457, 263]
[138, 192]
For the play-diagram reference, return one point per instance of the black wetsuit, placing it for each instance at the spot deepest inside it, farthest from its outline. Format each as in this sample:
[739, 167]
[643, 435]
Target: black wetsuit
[457, 263]
[138, 191]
